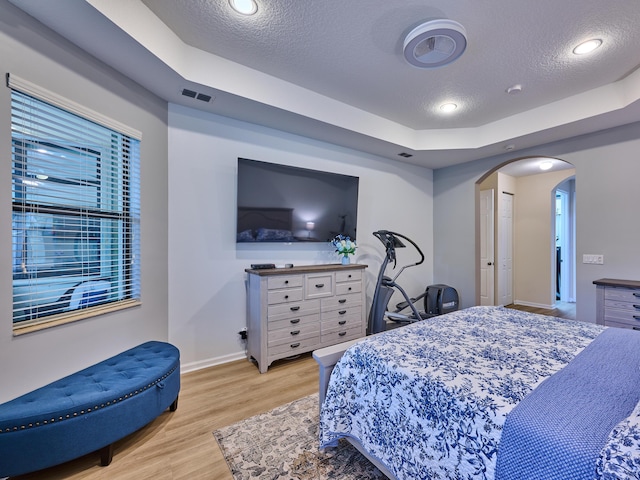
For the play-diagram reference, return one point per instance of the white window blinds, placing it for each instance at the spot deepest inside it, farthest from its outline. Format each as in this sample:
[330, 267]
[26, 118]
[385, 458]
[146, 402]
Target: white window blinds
[76, 212]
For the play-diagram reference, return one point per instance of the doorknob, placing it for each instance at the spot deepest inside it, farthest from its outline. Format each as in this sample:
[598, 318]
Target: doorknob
[489, 263]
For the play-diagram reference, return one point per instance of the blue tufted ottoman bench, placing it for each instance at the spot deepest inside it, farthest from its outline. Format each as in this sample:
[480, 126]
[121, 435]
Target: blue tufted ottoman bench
[88, 410]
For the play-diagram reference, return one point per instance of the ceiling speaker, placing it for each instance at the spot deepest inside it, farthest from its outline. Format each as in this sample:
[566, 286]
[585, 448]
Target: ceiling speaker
[435, 43]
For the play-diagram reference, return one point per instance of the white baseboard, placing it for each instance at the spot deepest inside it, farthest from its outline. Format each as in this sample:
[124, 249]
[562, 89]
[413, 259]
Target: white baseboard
[536, 305]
[210, 362]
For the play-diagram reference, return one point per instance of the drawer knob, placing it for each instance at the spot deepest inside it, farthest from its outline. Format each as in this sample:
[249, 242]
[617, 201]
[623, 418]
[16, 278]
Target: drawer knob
[295, 320]
[342, 300]
[349, 276]
[342, 312]
[319, 285]
[636, 317]
[342, 334]
[286, 296]
[342, 322]
[349, 289]
[286, 282]
[295, 332]
[294, 345]
[294, 309]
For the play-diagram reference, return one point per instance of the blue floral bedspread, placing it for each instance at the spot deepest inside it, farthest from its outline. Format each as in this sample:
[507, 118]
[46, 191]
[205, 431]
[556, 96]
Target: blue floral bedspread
[620, 459]
[429, 400]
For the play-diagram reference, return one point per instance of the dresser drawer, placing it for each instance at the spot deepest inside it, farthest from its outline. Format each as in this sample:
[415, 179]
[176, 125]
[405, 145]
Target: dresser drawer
[293, 322]
[348, 287]
[342, 335]
[294, 347]
[292, 335]
[613, 322]
[284, 296]
[618, 315]
[632, 306]
[284, 281]
[320, 285]
[622, 294]
[341, 323]
[342, 312]
[292, 310]
[348, 276]
[341, 301]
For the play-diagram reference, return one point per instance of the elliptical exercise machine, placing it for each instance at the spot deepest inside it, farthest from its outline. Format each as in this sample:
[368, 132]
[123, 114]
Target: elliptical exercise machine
[437, 299]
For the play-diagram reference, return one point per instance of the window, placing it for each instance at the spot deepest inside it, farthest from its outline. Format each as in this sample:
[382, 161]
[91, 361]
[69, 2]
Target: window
[75, 211]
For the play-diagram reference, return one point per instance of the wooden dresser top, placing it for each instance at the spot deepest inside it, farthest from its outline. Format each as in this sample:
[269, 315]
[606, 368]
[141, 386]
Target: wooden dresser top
[614, 282]
[327, 267]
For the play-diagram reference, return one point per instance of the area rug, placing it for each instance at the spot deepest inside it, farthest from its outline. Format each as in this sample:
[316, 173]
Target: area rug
[283, 445]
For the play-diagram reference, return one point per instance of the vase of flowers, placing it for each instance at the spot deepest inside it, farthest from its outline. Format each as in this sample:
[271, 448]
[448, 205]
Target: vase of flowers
[344, 247]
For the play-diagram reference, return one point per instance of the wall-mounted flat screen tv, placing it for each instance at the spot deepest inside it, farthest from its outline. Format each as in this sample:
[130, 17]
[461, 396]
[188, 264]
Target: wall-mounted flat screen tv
[280, 203]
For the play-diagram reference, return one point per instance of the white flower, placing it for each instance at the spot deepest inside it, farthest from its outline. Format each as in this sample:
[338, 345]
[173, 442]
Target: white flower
[344, 245]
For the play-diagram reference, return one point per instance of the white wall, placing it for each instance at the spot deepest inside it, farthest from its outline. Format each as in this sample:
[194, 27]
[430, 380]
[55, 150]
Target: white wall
[34, 53]
[206, 267]
[607, 170]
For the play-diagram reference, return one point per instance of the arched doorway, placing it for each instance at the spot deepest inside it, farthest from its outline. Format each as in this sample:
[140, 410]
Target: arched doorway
[519, 266]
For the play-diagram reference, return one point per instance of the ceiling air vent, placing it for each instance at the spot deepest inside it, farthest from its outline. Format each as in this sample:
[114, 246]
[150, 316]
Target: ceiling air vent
[405, 155]
[198, 96]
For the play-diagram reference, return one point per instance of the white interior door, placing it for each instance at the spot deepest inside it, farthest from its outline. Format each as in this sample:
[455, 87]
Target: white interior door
[505, 250]
[486, 247]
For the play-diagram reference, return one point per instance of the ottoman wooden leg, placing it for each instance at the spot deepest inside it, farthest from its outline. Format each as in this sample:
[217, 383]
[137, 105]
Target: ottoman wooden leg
[106, 454]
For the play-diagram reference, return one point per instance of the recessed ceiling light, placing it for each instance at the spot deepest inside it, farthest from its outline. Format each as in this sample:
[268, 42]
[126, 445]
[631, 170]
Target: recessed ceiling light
[546, 165]
[435, 43]
[448, 107]
[245, 7]
[588, 46]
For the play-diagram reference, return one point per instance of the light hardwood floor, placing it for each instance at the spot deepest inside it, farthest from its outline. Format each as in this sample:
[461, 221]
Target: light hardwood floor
[180, 444]
[562, 310]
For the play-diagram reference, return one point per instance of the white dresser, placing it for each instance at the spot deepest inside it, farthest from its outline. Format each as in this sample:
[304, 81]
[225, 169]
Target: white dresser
[300, 309]
[618, 303]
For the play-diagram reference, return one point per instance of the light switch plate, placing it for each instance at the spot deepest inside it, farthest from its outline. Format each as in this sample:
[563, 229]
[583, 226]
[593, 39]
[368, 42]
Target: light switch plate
[594, 259]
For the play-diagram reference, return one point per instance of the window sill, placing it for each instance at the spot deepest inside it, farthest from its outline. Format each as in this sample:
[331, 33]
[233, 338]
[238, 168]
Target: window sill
[65, 318]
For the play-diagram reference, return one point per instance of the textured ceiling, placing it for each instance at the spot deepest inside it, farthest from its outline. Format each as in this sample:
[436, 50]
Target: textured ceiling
[333, 70]
[352, 51]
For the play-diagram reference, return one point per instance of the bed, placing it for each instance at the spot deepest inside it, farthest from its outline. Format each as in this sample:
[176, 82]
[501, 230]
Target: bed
[259, 224]
[488, 393]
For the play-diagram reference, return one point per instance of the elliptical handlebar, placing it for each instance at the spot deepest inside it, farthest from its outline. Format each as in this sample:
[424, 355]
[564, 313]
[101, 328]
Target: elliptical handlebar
[391, 241]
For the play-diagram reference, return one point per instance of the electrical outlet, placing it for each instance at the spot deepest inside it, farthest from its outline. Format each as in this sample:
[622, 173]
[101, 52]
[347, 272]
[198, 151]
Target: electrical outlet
[594, 259]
